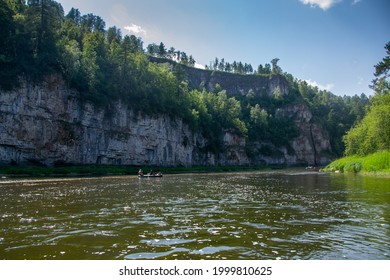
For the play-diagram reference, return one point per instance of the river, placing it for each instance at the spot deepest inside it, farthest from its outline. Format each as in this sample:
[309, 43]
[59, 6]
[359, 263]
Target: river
[284, 214]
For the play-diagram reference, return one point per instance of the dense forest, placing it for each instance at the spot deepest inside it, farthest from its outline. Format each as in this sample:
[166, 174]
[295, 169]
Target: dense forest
[37, 39]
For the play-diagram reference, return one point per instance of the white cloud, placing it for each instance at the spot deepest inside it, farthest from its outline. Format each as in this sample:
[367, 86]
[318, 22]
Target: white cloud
[327, 87]
[136, 29]
[323, 4]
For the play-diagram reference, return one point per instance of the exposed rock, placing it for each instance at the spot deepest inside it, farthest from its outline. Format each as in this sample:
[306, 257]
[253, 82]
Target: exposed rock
[260, 85]
[47, 124]
[312, 146]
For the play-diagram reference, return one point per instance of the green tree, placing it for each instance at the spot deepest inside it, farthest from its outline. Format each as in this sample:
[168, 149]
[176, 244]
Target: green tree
[179, 72]
[228, 67]
[113, 34]
[71, 63]
[216, 63]
[281, 130]
[258, 123]
[162, 51]
[92, 23]
[259, 116]
[267, 68]
[372, 134]
[172, 53]
[191, 61]
[260, 69]
[92, 56]
[136, 44]
[184, 58]
[7, 58]
[275, 67]
[44, 20]
[74, 15]
[152, 49]
[381, 83]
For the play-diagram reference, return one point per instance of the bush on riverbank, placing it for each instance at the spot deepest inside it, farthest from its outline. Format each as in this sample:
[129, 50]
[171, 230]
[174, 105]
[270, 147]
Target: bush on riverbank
[376, 162]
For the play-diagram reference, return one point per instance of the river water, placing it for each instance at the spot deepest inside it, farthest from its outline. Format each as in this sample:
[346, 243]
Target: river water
[287, 214]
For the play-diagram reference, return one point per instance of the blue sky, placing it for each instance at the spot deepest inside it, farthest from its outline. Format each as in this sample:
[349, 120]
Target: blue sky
[333, 44]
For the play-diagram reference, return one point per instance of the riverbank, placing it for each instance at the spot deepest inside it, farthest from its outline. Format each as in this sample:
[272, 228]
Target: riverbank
[374, 164]
[103, 170]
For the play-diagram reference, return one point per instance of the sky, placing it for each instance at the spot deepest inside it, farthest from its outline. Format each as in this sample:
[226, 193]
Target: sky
[332, 44]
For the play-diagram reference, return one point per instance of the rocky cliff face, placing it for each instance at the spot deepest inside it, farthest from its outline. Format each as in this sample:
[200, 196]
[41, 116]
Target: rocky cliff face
[261, 86]
[47, 124]
[312, 145]
[234, 84]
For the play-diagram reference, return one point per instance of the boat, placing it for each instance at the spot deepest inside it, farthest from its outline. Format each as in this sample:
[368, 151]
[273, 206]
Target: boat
[150, 174]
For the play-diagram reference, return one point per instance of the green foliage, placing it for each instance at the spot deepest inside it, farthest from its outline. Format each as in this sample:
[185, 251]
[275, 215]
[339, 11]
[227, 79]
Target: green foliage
[281, 131]
[375, 162]
[215, 113]
[43, 20]
[373, 132]
[235, 67]
[28, 39]
[275, 67]
[381, 83]
[7, 31]
[259, 116]
[258, 122]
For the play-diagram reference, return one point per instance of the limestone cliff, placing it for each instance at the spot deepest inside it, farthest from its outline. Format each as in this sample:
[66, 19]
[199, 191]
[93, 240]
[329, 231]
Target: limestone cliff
[260, 85]
[47, 124]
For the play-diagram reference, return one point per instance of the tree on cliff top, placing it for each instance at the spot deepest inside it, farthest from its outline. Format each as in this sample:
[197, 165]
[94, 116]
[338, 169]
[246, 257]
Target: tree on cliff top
[44, 19]
[275, 67]
[7, 29]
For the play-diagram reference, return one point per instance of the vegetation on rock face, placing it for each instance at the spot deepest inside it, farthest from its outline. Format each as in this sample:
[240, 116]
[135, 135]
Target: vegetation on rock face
[38, 39]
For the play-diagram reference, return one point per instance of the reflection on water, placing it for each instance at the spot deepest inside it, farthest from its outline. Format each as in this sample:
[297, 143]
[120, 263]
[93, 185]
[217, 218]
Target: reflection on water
[258, 215]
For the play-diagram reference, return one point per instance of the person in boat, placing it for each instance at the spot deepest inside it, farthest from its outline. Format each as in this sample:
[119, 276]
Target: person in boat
[140, 172]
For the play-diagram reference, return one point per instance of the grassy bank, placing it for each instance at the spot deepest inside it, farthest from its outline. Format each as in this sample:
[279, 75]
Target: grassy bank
[102, 170]
[374, 163]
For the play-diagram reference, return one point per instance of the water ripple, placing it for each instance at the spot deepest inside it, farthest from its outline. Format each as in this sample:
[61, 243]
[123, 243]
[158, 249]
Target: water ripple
[255, 215]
